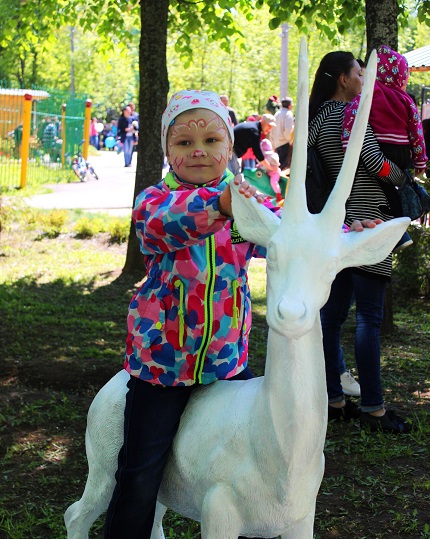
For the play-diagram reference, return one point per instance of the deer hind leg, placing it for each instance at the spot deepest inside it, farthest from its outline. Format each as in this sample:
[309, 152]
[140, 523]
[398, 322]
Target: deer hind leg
[157, 528]
[220, 517]
[80, 516]
[301, 530]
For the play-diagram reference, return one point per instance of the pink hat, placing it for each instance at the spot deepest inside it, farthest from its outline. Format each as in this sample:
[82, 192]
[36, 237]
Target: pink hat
[193, 99]
[266, 145]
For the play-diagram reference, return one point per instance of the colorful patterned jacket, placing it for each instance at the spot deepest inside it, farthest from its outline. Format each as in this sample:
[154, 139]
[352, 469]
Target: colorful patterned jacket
[190, 321]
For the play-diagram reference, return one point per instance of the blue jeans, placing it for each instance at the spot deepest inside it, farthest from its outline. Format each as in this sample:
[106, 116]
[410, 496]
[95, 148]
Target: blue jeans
[368, 292]
[128, 150]
[152, 415]
[95, 141]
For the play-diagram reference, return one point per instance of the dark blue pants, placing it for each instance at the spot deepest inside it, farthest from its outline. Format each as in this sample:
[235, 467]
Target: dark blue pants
[95, 141]
[128, 150]
[368, 292]
[152, 415]
[284, 152]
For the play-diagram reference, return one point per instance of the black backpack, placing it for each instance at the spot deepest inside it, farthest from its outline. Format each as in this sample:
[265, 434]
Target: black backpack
[318, 187]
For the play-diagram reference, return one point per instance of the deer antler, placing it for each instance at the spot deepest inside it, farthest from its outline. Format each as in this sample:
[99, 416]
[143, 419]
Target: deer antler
[295, 203]
[334, 210]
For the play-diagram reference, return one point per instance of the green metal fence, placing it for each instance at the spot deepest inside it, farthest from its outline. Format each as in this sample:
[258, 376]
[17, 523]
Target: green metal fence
[48, 160]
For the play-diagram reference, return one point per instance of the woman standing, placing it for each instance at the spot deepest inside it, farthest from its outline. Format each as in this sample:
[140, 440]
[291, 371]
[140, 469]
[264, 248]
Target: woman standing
[337, 81]
[126, 134]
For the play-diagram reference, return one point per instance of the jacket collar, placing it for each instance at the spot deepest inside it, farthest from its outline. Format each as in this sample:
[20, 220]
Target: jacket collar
[173, 182]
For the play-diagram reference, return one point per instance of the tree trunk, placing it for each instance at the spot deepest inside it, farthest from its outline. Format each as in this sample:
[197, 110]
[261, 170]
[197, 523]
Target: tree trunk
[154, 86]
[381, 23]
[382, 29]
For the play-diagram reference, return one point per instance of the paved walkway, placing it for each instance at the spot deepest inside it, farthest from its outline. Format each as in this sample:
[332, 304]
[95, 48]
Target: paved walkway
[113, 192]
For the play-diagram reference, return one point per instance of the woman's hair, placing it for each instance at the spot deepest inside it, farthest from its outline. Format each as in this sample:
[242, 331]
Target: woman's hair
[331, 67]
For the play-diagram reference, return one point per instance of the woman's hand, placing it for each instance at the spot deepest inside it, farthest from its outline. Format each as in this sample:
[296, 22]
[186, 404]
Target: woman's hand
[245, 189]
[359, 226]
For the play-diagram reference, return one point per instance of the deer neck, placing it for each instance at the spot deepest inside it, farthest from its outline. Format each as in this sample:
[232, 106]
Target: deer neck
[294, 390]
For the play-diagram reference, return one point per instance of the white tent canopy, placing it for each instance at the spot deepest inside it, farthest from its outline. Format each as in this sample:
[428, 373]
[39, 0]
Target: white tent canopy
[419, 59]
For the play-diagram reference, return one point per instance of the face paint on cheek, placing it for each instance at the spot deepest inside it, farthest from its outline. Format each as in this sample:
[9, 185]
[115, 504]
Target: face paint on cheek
[177, 162]
[221, 156]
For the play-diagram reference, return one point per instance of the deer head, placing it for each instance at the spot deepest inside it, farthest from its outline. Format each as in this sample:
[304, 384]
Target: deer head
[305, 251]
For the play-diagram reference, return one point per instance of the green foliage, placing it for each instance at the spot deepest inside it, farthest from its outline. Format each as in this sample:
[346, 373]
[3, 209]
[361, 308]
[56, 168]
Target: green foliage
[52, 223]
[86, 227]
[411, 268]
[89, 226]
[119, 230]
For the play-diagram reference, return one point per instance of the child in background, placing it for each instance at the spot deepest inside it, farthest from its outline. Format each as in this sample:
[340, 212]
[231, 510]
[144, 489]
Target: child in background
[396, 124]
[274, 171]
[189, 322]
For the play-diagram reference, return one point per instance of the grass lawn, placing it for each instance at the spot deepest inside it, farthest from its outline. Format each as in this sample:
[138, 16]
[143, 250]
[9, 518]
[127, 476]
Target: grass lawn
[63, 307]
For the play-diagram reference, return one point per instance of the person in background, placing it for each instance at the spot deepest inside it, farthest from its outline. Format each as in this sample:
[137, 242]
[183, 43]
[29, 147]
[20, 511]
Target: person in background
[274, 172]
[232, 113]
[249, 135]
[396, 122]
[272, 106]
[134, 115]
[126, 134]
[338, 81]
[94, 134]
[50, 135]
[283, 132]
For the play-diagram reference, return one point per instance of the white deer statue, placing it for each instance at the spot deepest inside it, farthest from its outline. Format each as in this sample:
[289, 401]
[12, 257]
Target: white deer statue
[248, 457]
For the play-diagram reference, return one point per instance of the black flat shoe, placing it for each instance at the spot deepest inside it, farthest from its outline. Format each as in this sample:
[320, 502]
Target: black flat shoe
[389, 422]
[348, 412]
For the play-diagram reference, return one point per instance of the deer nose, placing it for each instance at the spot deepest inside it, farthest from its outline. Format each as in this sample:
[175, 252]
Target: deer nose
[291, 310]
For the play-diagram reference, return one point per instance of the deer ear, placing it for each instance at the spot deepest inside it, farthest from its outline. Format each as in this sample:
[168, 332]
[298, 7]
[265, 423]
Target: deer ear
[372, 245]
[255, 222]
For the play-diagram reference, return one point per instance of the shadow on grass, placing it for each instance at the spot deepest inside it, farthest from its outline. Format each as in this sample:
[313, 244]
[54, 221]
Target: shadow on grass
[64, 335]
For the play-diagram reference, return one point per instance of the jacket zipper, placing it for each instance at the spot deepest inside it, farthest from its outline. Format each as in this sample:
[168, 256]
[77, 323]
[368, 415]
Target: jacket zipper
[179, 284]
[236, 312]
[208, 307]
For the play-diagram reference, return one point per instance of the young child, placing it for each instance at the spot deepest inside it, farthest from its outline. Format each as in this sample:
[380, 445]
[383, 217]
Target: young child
[274, 171]
[189, 322]
[395, 121]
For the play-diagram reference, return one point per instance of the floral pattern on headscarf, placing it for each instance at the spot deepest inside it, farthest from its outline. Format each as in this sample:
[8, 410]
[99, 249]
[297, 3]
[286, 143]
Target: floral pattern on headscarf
[392, 69]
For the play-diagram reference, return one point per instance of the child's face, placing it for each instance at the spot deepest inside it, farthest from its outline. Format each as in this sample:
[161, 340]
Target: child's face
[198, 146]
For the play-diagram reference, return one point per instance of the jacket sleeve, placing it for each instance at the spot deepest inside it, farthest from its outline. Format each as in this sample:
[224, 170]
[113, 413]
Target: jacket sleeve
[171, 220]
[256, 148]
[375, 162]
[416, 137]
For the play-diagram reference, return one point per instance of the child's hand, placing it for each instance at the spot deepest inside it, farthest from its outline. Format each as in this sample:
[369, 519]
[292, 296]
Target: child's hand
[246, 189]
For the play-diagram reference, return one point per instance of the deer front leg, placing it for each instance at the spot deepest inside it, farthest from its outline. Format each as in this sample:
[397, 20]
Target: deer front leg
[301, 530]
[220, 517]
[157, 528]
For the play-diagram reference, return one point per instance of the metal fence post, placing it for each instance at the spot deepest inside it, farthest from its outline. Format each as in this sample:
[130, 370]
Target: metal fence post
[63, 134]
[87, 122]
[25, 146]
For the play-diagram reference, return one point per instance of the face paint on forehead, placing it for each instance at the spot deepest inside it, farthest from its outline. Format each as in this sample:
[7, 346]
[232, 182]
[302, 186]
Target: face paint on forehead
[211, 123]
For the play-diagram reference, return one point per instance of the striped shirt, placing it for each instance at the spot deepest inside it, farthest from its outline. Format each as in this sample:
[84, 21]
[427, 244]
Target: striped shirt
[367, 199]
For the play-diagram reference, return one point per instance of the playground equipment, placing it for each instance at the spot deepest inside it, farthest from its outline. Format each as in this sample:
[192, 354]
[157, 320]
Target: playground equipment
[261, 180]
